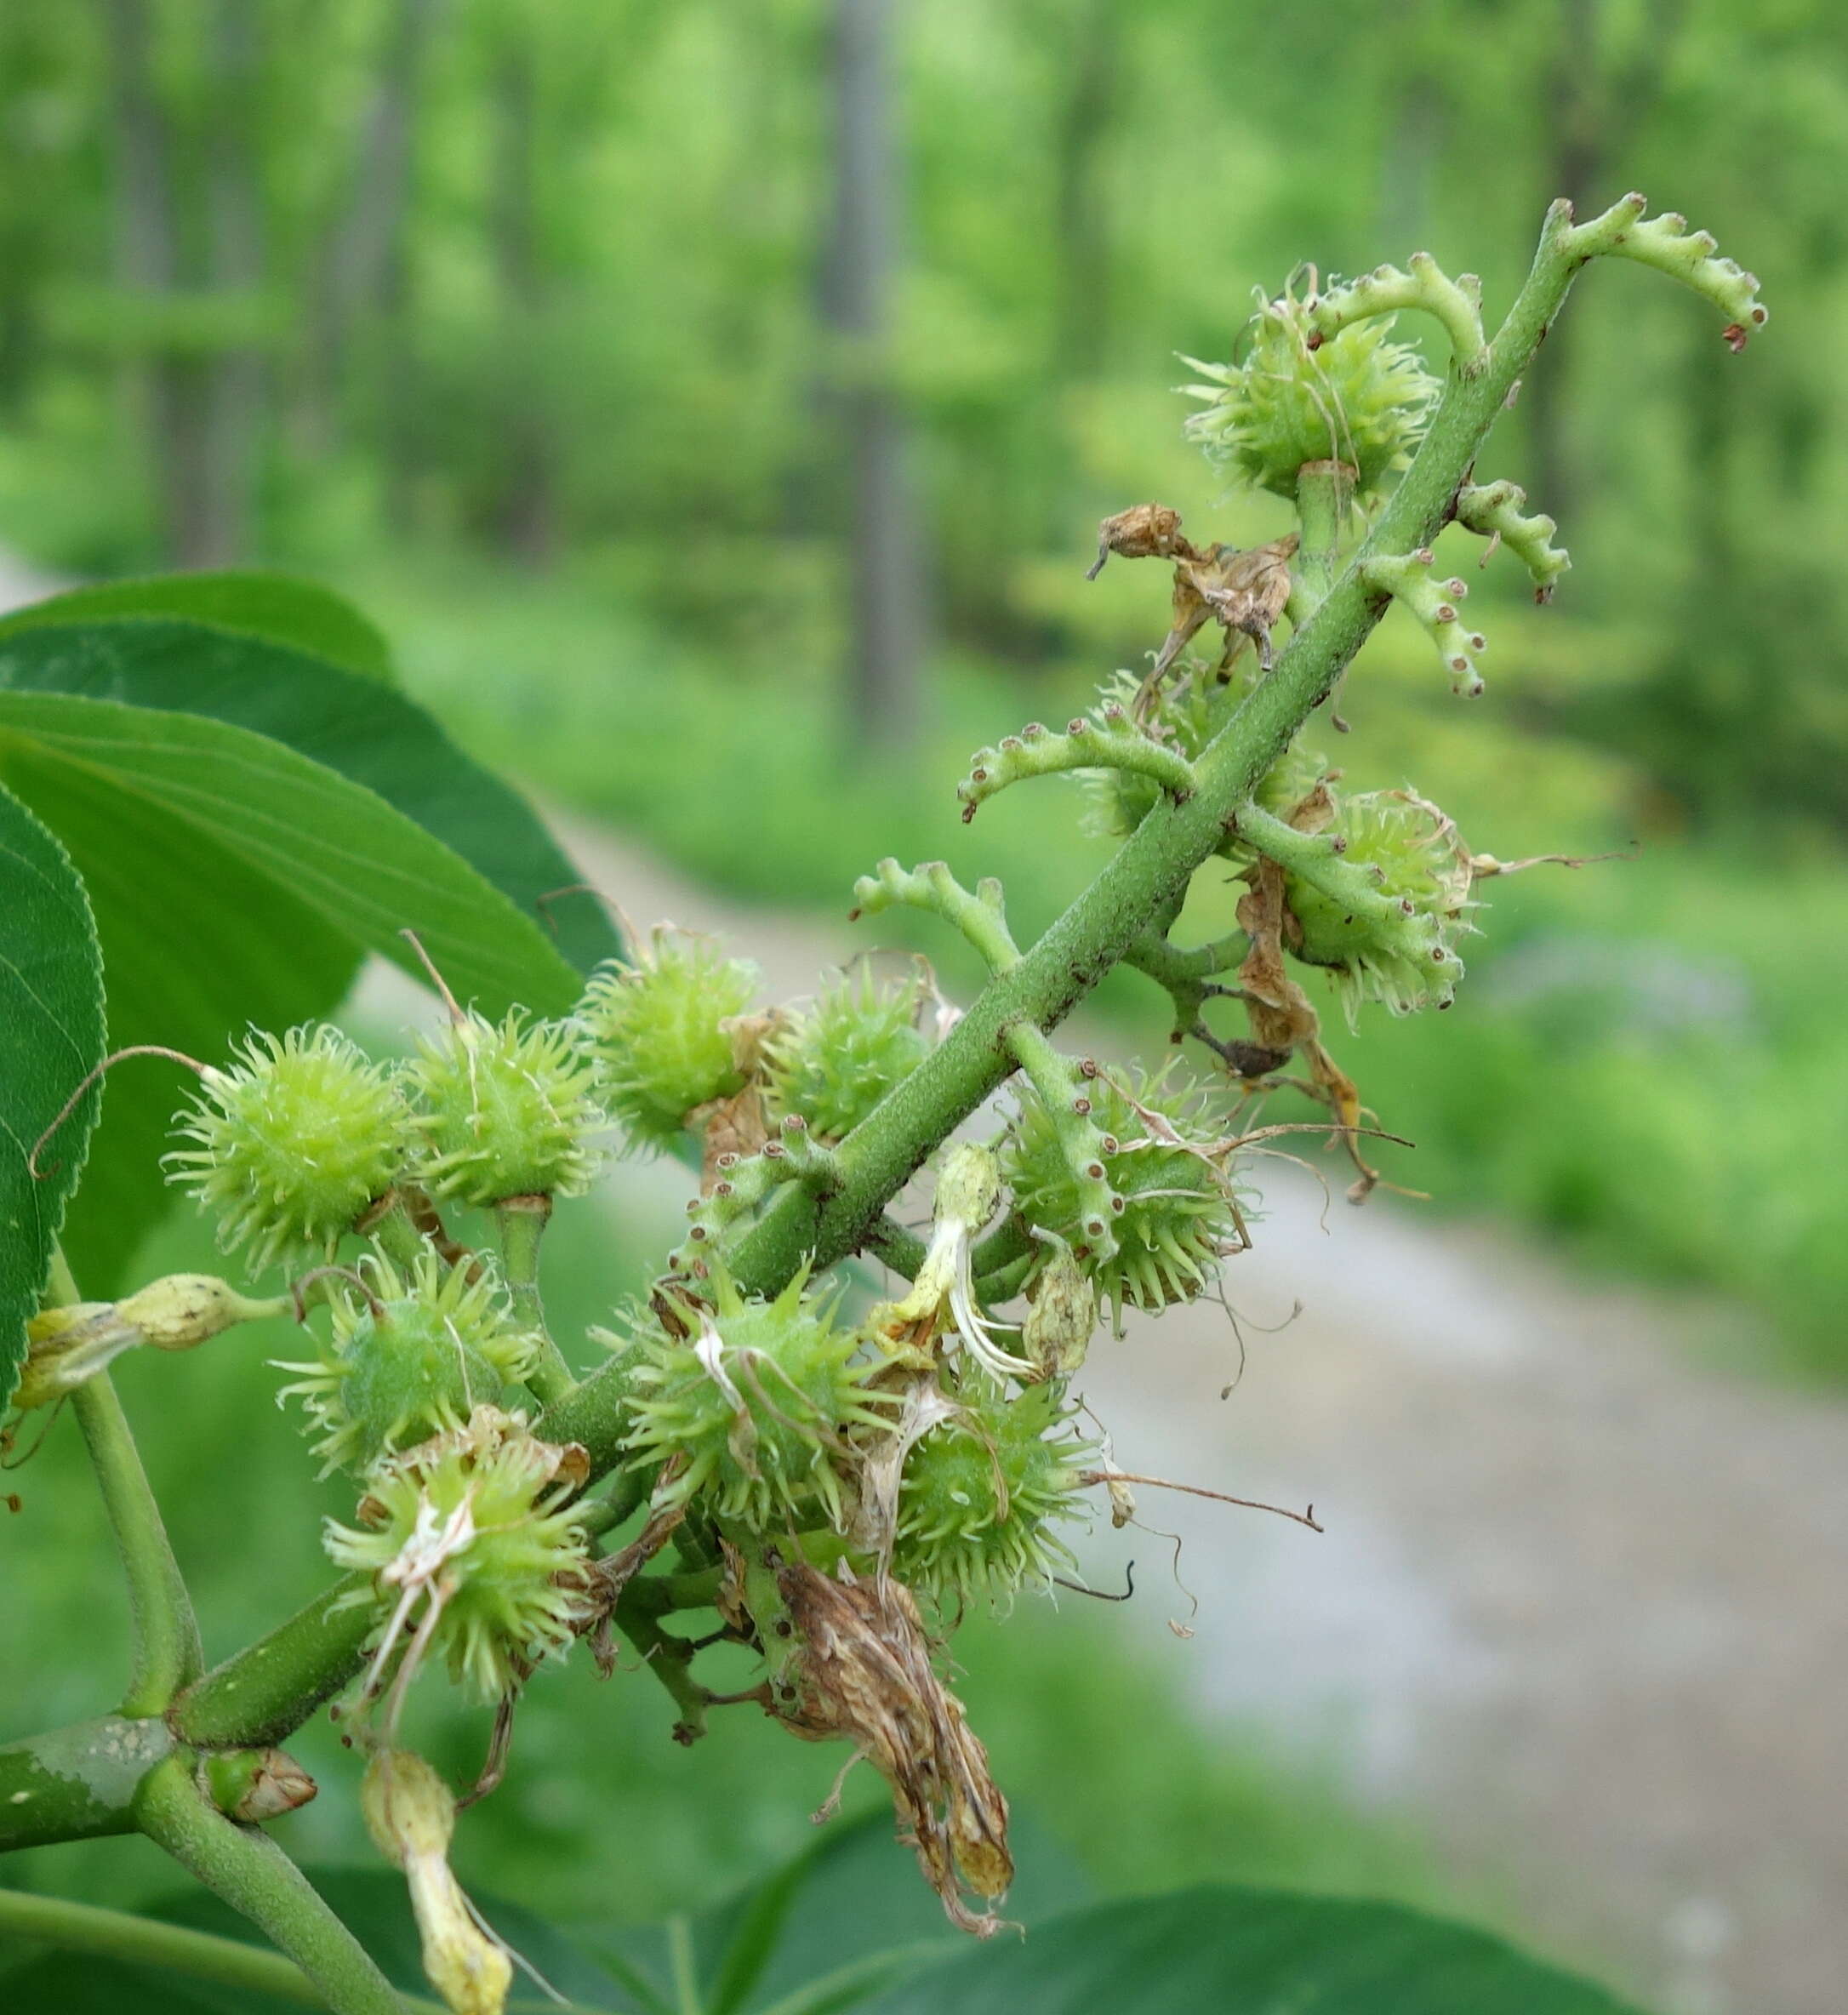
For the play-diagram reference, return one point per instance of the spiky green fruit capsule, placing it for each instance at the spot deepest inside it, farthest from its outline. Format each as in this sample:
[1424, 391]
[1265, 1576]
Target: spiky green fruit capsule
[758, 1403]
[1179, 1209]
[412, 1357]
[1409, 851]
[661, 1035]
[504, 1111]
[1187, 714]
[982, 1493]
[832, 1065]
[291, 1143]
[476, 1523]
[1354, 398]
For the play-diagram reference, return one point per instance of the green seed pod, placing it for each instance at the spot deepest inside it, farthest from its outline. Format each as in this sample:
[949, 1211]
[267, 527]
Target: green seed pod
[660, 1035]
[982, 1494]
[1187, 714]
[758, 1403]
[834, 1063]
[504, 1112]
[411, 1359]
[1354, 398]
[475, 1524]
[1409, 851]
[1178, 1209]
[292, 1144]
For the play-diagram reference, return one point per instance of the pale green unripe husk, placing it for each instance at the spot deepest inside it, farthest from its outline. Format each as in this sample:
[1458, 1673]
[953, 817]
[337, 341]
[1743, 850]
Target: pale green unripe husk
[1355, 398]
[292, 1144]
[507, 1110]
[1409, 852]
[475, 1520]
[661, 1035]
[758, 1401]
[831, 1064]
[982, 1493]
[1179, 1211]
[414, 1360]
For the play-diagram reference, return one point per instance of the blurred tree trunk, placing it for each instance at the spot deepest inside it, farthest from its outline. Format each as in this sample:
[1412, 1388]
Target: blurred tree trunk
[526, 507]
[236, 374]
[169, 390]
[884, 557]
[202, 401]
[1083, 334]
[1594, 111]
[363, 263]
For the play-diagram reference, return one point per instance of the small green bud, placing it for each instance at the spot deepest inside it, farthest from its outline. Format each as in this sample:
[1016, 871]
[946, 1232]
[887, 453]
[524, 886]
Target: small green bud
[292, 1144]
[253, 1785]
[65, 1346]
[410, 1357]
[505, 1110]
[660, 1028]
[185, 1309]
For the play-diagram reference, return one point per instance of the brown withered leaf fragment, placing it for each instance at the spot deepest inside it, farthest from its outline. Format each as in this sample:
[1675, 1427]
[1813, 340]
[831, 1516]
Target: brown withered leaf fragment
[1246, 591]
[1250, 593]
[1144, 531]
[613, 1573]
[862, 1671]
[739, 1125]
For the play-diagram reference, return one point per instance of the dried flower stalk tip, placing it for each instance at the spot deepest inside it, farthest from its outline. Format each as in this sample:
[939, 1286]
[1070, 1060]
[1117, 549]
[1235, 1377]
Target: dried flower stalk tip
[859, 1666]
[411, 1817]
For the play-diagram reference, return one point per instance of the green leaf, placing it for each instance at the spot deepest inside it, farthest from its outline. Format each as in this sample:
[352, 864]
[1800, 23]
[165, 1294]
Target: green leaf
[831, 1927]
[274, 607]
[51, 1033]
[234, 880]
[367, 732]
[374, 1906]
[1246, 1952]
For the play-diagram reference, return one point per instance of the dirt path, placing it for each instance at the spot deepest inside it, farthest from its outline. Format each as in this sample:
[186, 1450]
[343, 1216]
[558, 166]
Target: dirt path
[1581, 1607]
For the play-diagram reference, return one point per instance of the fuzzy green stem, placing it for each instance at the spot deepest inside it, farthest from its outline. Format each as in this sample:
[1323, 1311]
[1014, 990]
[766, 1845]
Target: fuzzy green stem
[520, 1222]
[265, 1691]
[980, 917]
[1112, 742]
[1324, 492]
[144, 1941]
[167, 1653]
[77, 1783]
[248, 1871]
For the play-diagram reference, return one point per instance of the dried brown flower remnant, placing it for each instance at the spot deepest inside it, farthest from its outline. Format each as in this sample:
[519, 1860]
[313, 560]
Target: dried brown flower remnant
[1144, 531]
[861, 1668]
[1246, 591]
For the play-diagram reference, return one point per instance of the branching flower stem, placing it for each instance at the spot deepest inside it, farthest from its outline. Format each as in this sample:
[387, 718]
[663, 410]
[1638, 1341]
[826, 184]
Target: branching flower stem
[267, 1691]
[258, 1879]
[167, 1653]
